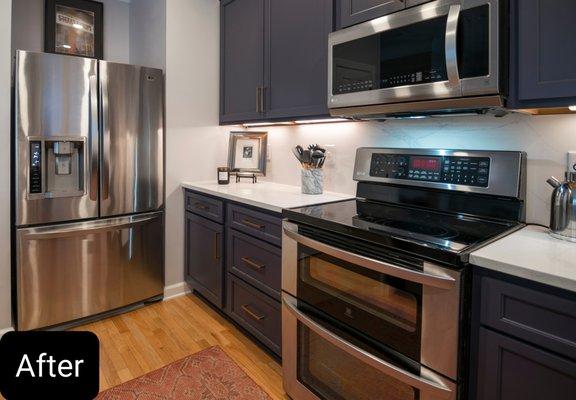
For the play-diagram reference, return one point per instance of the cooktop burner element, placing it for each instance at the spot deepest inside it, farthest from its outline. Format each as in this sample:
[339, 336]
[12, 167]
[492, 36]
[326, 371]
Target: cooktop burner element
[430, 218]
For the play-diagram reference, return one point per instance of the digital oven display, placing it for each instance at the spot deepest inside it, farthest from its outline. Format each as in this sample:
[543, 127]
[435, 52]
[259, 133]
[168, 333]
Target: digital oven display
[431, 164]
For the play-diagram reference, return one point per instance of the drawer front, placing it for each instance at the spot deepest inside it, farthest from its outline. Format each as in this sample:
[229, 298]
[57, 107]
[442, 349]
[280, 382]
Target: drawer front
[529, 314]
[254, 311]
[205, 206]
[257, 262]
[261, 225]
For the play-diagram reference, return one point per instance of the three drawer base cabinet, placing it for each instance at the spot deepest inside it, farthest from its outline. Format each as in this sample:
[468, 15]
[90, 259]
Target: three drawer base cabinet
[233, 260]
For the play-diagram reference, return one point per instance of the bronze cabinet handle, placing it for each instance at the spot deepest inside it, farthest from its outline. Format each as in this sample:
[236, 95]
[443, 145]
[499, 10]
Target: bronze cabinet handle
[251, 313]
[201, 206]
[253, 264]
[216, 249]
[252, 224]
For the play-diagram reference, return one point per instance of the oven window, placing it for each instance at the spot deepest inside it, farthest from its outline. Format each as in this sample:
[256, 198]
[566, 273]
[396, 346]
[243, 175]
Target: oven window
[409, 55]
[333, 374]
[382, 307]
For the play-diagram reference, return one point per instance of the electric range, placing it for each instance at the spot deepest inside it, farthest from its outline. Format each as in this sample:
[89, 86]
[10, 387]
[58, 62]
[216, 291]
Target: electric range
[376, 289]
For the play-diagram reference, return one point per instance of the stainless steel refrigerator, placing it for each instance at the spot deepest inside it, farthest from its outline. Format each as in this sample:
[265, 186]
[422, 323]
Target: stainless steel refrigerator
[88, 187]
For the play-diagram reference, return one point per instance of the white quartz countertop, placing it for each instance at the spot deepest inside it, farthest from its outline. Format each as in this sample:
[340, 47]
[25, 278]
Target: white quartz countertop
[533, 254]
[267, 195]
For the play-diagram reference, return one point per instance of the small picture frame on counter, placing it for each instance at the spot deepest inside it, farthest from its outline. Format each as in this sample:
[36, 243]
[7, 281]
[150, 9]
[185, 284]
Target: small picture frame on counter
[247, 152]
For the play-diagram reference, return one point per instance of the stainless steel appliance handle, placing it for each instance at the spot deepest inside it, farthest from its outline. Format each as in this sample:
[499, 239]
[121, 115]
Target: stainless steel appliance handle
[433, 383]
[93, 139]
[105, 140]
[89, 228]
[424, 278]
[451, 45]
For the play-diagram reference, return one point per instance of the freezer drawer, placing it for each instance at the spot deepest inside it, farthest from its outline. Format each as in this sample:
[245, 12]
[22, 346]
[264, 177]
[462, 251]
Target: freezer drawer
[72, 271]
[132, 145]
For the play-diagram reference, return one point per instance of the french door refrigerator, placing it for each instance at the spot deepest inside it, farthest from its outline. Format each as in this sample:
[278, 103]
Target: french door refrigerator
[88, 188]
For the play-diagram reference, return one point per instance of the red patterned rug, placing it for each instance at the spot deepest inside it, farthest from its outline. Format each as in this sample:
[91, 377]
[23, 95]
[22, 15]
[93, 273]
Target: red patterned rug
[207, 375]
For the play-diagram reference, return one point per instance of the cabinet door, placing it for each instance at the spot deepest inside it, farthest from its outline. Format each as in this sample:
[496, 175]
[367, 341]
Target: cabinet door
[204, 264]
[296, 57]
[544, 59]
[511, 370]
[353, 12]
[241, 59]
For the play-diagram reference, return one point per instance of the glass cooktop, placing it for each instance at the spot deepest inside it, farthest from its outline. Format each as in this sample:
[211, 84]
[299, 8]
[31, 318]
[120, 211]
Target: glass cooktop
[444, 231]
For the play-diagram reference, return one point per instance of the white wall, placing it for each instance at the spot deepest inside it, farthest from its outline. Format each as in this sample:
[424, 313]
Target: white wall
[28, 28]
[194, 142]
[148, 33]
[5, 68]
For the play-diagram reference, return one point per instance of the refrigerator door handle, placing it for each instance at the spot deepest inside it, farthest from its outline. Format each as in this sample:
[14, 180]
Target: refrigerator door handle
[93, 138]
[105, 136]
[88, 228]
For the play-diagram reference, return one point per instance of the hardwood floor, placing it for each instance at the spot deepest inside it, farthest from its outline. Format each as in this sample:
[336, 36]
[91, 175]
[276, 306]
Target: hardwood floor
[146, 339]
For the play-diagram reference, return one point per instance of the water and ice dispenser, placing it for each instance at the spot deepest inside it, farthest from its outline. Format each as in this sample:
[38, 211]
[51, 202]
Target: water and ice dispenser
[57, 167]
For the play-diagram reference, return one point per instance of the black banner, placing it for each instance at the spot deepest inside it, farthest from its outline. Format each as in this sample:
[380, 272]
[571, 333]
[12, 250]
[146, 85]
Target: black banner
[53, 365]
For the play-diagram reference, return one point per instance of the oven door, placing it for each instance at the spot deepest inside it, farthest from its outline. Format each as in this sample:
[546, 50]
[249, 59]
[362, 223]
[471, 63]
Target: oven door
[319, 362]
[413, 313]
[443, 49]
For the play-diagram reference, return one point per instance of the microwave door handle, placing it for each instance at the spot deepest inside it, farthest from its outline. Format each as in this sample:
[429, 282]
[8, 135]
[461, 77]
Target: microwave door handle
[433, 384]
[423, 278]
[451, 45]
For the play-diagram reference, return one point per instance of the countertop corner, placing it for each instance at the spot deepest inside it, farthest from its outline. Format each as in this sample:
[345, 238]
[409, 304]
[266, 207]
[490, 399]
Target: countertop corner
[533, 254]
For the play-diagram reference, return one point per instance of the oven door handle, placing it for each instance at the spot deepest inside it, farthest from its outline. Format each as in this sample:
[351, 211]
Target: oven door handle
[435, 385]
[423, 278]
[451, 46]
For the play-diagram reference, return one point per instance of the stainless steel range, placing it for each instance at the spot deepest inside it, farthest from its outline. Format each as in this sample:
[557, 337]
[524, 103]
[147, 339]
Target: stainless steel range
[375, 289]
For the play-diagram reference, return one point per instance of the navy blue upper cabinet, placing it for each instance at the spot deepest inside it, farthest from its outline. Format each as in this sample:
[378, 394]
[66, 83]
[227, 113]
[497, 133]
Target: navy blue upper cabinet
[543, 54]
[274, 59]
[352, 12]
[296, 57]
[241, 59]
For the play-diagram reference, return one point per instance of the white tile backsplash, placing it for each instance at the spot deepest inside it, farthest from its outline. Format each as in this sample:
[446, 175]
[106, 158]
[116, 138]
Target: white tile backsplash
[546, 139]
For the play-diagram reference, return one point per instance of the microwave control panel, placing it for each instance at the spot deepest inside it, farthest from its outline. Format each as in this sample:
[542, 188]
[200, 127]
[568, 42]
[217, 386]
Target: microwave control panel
[457, 170]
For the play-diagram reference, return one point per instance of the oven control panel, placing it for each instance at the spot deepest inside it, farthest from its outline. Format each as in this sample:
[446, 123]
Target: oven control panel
[458, 170]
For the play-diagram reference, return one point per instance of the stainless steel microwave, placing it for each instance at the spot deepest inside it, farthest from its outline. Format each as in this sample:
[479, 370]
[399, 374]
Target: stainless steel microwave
[440, 57]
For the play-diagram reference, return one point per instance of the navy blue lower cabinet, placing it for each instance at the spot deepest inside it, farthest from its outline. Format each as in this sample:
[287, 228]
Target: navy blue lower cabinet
[523, 339]
[233, 260]
[510, 369]
[204, 258]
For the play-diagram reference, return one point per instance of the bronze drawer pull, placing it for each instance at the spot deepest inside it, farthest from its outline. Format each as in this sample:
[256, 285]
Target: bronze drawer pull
[252, 313]
[252, 224]
[200, 206]
[252, 264]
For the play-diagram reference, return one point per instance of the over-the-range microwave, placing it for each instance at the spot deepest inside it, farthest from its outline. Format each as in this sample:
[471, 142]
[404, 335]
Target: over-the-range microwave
[442, 57]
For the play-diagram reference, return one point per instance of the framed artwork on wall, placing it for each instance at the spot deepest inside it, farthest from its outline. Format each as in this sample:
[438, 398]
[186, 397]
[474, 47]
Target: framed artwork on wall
[74, 27]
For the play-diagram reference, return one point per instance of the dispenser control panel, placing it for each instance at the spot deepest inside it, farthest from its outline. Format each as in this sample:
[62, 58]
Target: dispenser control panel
[35, 167]
[458, 170]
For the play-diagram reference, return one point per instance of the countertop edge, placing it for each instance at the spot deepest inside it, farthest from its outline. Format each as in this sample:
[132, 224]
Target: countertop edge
[525, 273]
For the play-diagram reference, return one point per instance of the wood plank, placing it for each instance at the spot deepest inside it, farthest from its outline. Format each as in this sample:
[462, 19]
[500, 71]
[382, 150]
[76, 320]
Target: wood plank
[146, 339]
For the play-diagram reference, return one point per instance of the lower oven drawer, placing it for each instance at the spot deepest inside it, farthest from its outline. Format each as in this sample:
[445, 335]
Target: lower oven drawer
[319, 363]
[256, 312]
